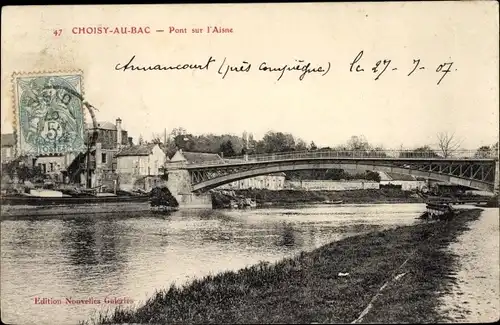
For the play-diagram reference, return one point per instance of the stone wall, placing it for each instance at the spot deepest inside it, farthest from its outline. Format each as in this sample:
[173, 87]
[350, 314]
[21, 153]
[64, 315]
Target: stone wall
[325, 185]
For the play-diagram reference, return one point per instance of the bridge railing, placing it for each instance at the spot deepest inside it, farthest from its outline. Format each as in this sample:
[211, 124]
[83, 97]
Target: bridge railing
[355, 154]
[326, 154]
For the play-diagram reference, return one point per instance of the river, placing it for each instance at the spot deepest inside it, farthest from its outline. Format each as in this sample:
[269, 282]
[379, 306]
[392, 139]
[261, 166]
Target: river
[113, 256]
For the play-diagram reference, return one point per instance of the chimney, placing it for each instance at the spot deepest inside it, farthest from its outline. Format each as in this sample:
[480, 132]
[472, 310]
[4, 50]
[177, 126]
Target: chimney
[118, 133]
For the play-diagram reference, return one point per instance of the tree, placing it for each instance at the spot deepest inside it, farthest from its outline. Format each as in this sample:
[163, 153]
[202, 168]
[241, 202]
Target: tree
[448, 144]
[336, 174]
[184, 142]
[312, 146]
[178, 131]
[420, 152]
[378, 152]
[495, 150]
[483, 152]
[24, 172]
[300, 145]
[156, 141]
[244, 136]
[227, 149]
[278, 142]
[358, 143]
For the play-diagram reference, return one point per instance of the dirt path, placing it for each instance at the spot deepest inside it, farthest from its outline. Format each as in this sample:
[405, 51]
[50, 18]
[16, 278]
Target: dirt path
[476, 297]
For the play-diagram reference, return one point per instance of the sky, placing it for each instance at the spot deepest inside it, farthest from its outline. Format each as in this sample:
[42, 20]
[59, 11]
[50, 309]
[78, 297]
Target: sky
[395, 110]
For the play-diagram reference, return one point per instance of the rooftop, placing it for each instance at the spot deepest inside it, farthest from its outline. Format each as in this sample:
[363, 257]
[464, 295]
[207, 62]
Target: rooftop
[137, 150]
[200, 157]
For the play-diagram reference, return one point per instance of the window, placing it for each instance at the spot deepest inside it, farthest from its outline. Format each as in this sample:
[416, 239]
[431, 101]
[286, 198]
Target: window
[104, 158]
[51, 167]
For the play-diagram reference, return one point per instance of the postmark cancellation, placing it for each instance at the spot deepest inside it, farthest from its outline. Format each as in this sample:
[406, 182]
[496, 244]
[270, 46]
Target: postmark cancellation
[48, 116]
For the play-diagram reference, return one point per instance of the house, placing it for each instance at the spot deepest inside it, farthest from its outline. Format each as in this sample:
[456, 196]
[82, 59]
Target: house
[139, 166]
[55, 165]
[8, 143]
[52, 165]
[405, 181]
[191, 157]
[110, 139]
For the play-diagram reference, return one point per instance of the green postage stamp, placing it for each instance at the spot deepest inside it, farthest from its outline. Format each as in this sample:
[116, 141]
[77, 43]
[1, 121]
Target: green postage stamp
[49, 113]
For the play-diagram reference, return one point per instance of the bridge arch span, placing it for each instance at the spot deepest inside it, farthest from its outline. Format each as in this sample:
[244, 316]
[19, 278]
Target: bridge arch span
[269, 169]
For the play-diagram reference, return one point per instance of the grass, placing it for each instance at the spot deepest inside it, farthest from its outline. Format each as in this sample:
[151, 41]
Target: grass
[308, 288]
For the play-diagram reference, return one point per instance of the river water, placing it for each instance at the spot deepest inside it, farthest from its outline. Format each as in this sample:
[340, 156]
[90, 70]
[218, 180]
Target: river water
[106, 257]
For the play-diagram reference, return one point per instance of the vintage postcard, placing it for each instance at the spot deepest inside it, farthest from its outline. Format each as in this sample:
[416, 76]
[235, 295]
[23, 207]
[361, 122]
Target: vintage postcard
[250, 163]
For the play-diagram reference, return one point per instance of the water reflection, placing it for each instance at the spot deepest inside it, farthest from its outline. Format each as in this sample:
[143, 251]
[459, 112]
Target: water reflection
[78, 236]
[133, 255]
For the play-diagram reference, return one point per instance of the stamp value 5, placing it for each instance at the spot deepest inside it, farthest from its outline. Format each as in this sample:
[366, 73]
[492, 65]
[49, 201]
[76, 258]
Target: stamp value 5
[50, 118]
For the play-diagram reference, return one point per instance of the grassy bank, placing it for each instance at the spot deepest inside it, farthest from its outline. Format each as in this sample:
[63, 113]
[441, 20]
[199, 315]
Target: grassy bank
[386, 195]
[308, 288]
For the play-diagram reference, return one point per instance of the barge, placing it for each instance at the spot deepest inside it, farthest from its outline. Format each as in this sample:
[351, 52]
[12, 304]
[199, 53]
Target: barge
[35, 206]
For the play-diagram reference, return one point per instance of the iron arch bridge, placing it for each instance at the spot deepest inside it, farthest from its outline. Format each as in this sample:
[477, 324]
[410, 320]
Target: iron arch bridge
[476, 173]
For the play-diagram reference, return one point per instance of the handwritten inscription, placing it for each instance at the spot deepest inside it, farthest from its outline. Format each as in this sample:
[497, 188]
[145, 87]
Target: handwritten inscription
[301, 68]
[381, 66]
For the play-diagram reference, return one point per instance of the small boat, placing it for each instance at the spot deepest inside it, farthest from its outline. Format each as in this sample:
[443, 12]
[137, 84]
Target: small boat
[334, 202]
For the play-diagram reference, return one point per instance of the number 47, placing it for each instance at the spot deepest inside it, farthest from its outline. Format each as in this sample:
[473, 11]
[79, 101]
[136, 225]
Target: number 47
[58, 32]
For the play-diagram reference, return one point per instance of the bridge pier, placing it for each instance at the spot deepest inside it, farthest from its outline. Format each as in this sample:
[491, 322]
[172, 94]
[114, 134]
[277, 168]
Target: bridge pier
[179, 184]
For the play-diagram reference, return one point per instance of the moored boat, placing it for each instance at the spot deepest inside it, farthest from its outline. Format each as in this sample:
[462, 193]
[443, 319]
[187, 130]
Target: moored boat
[334, 202]
[49, 202]
[32, 200]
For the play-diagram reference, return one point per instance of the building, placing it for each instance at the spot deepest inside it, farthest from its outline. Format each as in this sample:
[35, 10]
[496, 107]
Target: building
[274, 182]
[72, 167]
[407, 182]
[8, 143]
[140, 166]
[53, 166]
[110, 139]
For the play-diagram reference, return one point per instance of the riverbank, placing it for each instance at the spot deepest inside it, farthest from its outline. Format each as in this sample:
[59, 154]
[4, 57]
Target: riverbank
[476, 296]
[388, 195]
[336, 283]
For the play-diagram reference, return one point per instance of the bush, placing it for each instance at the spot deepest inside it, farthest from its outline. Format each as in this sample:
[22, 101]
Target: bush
[161, 196]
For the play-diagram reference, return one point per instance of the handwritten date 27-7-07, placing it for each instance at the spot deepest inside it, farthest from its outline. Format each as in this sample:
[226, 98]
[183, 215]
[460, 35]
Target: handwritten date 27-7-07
[378, 68]
[381, 66]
